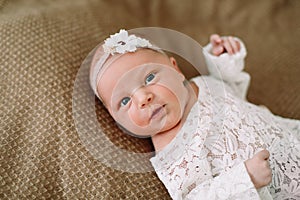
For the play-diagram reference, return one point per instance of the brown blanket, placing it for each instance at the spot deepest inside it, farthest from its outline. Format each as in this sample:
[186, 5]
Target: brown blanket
[42, 45]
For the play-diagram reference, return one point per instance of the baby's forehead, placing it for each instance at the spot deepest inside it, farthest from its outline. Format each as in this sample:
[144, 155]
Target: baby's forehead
[124, 63]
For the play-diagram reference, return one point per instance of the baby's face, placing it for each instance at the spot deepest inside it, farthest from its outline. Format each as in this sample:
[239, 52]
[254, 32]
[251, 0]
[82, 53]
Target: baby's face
[144, 92]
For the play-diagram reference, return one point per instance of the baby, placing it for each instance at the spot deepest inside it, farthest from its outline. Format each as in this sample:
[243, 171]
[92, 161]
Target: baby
[210, 142]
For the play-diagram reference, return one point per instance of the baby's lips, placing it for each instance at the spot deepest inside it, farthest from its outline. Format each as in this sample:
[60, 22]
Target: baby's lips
[156, 110]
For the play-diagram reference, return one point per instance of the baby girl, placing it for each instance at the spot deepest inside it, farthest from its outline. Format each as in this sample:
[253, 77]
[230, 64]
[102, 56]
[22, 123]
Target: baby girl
[210, 143]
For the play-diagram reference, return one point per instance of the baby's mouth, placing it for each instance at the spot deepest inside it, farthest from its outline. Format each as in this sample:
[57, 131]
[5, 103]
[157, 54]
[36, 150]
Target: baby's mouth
[157, 111]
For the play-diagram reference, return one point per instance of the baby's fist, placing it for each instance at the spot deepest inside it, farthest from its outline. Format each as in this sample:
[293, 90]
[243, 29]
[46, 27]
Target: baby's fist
[259, 169]
[224, 44]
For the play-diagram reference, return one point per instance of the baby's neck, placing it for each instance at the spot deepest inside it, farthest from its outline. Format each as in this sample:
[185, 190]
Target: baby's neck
[162, 139]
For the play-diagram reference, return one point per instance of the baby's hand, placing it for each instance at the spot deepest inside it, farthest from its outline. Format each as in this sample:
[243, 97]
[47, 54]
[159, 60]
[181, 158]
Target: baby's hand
[259, 169]
[224, 44]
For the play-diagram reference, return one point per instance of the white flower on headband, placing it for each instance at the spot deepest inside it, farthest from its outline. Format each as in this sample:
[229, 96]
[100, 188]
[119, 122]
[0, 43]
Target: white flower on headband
[122, 43]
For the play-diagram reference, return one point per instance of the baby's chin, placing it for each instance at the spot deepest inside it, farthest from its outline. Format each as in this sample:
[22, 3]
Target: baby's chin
[136, 131]
[142, 133]
[157, 126]
[174, 125]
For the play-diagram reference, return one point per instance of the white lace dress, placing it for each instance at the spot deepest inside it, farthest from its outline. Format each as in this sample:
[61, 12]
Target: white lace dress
[206, 158]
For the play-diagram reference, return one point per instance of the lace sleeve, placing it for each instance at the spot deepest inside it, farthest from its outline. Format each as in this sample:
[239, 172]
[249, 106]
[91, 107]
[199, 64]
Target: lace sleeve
[181, 182]
[233, 184]
[229, 68]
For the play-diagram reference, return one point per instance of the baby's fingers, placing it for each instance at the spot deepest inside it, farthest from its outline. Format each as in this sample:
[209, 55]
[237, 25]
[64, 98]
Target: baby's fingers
[217, 50]
[234, 44]
[215, 39]
[263, 154]
[231, 45]
[227, 46]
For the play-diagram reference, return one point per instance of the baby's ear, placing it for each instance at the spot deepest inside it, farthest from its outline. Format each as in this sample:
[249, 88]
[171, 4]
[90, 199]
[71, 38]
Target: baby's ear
[174, 64]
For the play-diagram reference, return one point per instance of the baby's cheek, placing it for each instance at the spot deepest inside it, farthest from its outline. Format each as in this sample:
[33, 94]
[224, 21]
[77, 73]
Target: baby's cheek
[140, 119]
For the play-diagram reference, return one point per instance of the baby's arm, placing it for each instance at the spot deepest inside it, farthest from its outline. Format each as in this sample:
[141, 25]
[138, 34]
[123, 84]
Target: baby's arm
[239, 182]
[225, 61]
[235, 183]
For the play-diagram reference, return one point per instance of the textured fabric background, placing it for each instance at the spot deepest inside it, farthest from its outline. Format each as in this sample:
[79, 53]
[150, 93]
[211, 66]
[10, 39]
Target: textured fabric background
[42, 45]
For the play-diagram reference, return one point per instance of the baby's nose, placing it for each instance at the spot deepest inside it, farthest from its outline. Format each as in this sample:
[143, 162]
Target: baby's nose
[143, 98]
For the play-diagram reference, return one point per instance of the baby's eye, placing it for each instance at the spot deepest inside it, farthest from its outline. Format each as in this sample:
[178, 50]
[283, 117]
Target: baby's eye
[149, 78]
[125, 101]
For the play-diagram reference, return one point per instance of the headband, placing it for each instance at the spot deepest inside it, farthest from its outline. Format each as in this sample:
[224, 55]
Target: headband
[115, 46]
